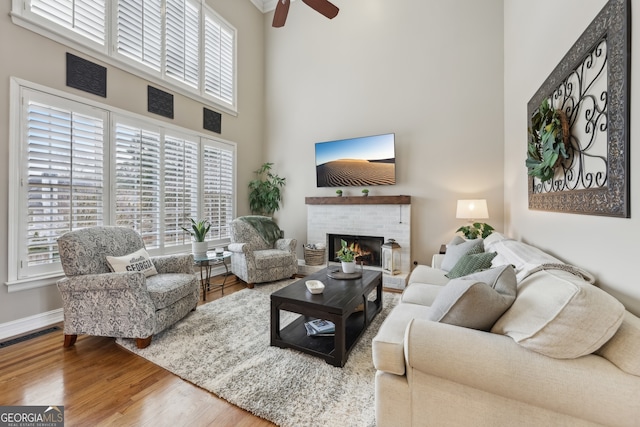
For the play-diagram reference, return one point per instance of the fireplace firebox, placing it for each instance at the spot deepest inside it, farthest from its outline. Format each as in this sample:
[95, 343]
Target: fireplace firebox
[369, 248]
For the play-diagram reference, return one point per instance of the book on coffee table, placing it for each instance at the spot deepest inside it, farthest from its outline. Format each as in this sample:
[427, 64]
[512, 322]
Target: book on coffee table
[320, 328]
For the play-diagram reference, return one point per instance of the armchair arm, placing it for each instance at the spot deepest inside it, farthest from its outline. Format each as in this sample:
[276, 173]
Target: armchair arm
[589, 387]
[286, 245]
[182, 263]
[242, 251]
[109, 304]
[103, 282]
[238, 247]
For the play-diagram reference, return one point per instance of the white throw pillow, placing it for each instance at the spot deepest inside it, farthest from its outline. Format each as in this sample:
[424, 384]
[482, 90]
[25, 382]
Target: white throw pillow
[137, 261]
[522, 256]
[560, 315]
[493, 238]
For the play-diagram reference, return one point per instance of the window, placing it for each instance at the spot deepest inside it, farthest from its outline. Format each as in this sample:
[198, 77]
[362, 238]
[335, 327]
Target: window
[184, 43]
[219, 42]
[139, 32]
[217, 194]
[62, 182]
[83, 17]
[181, 188]
[75, 171]
[137, 181]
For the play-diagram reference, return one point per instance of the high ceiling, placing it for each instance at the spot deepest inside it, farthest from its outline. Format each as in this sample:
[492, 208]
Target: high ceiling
[265, 5]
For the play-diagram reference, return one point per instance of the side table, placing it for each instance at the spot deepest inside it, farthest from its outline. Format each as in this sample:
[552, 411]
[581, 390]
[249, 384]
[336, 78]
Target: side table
[206, 265]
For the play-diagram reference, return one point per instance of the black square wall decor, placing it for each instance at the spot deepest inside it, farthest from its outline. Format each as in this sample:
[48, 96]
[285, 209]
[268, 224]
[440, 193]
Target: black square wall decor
[212, 121]
[86, 76]
[159, 102]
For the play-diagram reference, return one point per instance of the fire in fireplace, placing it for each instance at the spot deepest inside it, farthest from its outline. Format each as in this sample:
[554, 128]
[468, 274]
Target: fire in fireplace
[368, 248]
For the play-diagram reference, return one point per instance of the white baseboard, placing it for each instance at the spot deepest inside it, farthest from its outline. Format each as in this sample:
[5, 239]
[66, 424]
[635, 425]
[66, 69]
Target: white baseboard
[28, 324]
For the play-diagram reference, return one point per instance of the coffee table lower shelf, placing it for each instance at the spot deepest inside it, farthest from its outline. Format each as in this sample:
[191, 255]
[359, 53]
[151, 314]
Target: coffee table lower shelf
[294, 336]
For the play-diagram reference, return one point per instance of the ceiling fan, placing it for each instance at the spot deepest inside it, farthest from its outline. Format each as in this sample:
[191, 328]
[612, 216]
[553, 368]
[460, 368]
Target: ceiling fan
[324, 7]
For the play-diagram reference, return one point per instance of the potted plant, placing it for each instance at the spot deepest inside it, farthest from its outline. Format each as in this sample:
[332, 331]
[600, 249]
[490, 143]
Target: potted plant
[264, 192]
[548, 140]
[198, 231]
[365, 192]
[475, 230]
[347, 256]
[339, 193]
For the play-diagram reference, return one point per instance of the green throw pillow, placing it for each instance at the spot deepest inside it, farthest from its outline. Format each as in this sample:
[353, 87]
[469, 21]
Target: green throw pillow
[471, 263]
[455, 251]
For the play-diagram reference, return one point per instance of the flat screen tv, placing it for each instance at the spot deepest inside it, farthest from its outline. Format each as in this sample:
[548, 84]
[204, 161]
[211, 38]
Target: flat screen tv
[356, 162]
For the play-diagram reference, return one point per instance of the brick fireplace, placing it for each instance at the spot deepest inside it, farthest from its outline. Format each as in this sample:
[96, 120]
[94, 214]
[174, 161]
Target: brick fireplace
[385, 217]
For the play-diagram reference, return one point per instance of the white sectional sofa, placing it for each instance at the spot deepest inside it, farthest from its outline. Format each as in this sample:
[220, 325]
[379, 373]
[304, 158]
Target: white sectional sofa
[562, 352]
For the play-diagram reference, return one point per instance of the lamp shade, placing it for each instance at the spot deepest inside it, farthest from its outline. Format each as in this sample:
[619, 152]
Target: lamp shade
[472, 209]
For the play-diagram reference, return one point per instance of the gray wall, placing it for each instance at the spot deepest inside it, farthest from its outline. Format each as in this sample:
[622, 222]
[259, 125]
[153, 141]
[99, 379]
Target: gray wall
[29, 56]
[430, 71]
[604, 246]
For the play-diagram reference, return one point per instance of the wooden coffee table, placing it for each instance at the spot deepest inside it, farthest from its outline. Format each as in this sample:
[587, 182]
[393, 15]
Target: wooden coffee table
[344, 302]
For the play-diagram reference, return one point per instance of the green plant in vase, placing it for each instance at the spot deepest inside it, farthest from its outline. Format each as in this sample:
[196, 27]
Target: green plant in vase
[365, 192]
[198, 232]
[339, 193]
[475, 230]
[347, 256]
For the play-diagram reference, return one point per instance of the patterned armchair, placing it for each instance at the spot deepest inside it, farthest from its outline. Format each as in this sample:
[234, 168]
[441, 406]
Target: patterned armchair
[258, 254]
[99, 302]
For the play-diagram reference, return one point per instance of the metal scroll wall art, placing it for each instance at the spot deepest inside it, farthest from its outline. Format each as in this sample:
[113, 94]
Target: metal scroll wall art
[591, 85]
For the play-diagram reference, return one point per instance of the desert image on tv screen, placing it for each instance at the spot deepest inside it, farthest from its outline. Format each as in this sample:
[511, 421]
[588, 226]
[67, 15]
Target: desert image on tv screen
[356, 162]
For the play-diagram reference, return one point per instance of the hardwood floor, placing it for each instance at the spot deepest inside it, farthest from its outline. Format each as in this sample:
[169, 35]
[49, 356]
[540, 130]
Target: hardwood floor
[101, 384]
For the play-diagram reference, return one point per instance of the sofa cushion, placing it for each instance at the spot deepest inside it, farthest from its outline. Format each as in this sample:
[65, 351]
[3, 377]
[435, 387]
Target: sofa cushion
[560, 315]
[388, 344]
[272, 258]
[476, 301]
[457, 251]
[421, 293]
[623, 349]
[136, 261]
[166, 289]
[426, 274]
[471, 263]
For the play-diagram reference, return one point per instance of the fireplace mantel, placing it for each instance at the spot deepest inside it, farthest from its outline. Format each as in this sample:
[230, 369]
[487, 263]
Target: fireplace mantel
[359, 200]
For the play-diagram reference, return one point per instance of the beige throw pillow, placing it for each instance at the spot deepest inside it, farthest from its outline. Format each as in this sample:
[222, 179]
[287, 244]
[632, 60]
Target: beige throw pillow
[137, 261]
[560, 315]
[475, 301]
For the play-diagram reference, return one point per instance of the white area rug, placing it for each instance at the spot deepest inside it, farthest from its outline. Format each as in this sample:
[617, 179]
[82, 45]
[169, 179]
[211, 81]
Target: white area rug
[224, 347]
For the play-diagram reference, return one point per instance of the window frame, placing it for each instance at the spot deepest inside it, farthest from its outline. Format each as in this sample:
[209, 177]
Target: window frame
[17, 280]
[22, 15]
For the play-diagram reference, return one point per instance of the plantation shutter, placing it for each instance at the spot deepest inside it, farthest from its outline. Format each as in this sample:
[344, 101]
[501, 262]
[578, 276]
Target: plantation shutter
[64, 175]
[139, 31]
[219, 41]
[137, 181]
[85, 17]
[180, 188]
[217, 195]
[182, 41]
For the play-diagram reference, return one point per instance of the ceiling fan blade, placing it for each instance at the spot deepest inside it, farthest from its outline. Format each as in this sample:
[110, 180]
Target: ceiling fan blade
[324, 7]
[280, 15]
